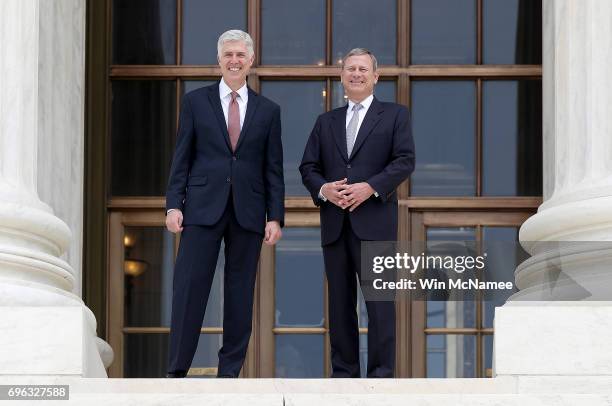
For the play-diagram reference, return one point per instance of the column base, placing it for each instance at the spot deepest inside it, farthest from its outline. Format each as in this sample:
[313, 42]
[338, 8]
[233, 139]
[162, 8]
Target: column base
[51, 341]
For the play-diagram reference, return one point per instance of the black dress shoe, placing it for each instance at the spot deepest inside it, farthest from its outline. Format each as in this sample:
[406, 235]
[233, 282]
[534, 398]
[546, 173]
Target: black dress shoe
[176, 374]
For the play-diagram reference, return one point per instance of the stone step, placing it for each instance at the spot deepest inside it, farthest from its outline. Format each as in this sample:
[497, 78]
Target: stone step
[499, 391]
[188, 399]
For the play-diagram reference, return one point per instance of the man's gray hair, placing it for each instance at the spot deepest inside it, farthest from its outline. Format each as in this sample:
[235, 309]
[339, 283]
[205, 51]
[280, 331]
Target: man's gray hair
[361, 51]
[235, 35]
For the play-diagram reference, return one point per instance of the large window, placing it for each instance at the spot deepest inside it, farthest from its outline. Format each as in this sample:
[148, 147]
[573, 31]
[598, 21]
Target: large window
[469, 70]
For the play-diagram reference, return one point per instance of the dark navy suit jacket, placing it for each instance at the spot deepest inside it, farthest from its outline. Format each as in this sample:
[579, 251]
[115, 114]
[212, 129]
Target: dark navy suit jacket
[204, 168]
[383, 156]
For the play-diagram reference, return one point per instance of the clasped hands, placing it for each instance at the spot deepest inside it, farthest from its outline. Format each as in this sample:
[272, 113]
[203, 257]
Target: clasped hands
[345, 195]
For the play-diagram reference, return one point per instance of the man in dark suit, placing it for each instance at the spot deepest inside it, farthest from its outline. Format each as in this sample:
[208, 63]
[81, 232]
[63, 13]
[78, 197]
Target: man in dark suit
[226, 182]
[354, 160]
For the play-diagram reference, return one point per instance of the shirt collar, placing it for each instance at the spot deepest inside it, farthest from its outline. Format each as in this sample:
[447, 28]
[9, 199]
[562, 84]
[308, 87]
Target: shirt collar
[224, 90]
[365, 103]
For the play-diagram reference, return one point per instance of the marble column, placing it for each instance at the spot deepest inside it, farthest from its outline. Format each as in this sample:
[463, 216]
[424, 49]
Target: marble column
[559, 321]
[45, 328]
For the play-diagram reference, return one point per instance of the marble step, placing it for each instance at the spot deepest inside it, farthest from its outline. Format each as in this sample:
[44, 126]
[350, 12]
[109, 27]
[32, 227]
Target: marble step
[499, 391]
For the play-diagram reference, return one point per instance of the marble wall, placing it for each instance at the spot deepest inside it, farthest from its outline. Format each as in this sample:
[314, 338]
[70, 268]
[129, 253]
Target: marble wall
[18, 102]
[61, 106]
[577, 100]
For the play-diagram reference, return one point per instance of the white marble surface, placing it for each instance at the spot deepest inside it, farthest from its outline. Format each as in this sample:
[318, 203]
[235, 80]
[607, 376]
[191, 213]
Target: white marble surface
[577, 142]
[19, 101]
[450, 400]
[41, 151]
[336, 400]
[174, 399]
[578, 98]
[61, 101]
[322, 392]
[41, 340]
[565, 384]
[554, 339]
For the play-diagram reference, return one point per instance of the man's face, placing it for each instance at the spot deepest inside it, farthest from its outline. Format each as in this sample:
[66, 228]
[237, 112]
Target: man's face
[358, 77]
[235, 62]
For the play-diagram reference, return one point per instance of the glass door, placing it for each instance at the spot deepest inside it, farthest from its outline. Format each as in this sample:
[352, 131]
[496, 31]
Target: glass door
[454, 338]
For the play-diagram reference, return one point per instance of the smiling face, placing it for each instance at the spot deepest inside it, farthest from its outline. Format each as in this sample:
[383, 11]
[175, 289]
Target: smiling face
[235, 63]
[358, 77]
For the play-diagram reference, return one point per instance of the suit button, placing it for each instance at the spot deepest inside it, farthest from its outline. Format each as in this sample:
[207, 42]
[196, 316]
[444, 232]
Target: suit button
[233, 158]
[228, 180]
[348, 166]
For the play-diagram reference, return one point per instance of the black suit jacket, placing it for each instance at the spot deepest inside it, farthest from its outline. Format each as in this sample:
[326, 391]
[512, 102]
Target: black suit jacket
[204, 168]
[383, 156]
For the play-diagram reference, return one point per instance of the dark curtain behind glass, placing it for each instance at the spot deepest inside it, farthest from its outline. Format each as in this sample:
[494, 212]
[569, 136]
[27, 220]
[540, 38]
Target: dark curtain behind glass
[529, 32]
[145, 355]
[143, 132]
[529, 50]
[143, 32]
[529, 149]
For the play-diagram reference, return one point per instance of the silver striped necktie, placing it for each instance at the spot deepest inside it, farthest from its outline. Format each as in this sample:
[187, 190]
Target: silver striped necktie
[351, 129]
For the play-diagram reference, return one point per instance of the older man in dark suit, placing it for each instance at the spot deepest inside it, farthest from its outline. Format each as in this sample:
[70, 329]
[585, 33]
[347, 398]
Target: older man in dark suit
[354, 160]
[226, 183]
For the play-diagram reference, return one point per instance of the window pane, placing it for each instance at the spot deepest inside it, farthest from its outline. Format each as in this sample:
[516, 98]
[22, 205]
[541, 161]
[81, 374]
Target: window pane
[299, 279]
[362, 311]
[363, 354]
[144, 32]
[502, 261]
[298, 116]
[214, 307]
[206, 358]
[377, 28]
[142, 136]
[299, 356]
[487, 356]
[145, 355]
[512, 138]
[190, 85]
[293, 32]
[443, 32]
[452, 313]
[512, 31]
[443, 123]
[149, 270]
[451, 356]
[204, 22]
[384, 91]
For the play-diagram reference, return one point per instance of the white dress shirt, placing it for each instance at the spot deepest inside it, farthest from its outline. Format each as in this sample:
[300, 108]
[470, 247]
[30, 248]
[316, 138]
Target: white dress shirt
[226, 98]
[349, 112]
[366, 103]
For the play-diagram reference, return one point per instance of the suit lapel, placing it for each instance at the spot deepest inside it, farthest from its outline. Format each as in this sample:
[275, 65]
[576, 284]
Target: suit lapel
[250, 112]
[369, 122]
[215, 102]
[339, 131]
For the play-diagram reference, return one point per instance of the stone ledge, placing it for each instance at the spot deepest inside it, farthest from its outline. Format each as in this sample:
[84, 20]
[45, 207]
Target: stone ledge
[500, 391]
[275, 386]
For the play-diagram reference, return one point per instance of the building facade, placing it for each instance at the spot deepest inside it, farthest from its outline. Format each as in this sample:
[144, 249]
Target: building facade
[470, 71]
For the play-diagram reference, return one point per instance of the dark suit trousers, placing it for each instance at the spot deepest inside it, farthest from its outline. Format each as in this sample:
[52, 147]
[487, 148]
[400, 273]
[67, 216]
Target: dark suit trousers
[342, 263]
[193, 276]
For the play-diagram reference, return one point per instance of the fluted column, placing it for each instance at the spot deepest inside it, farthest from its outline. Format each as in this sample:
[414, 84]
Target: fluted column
[577, 211]
[41, 316]
[560, 321]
